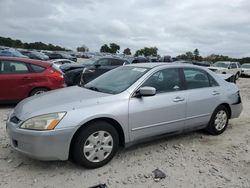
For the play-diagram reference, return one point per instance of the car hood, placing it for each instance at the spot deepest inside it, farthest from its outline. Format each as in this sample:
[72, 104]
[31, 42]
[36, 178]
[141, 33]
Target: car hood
[57, 101]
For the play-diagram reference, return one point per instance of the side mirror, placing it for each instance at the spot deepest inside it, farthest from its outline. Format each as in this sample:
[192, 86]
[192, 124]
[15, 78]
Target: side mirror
[97, 65]
[146, 91]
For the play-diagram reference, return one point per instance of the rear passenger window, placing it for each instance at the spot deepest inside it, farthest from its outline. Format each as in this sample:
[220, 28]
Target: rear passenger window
[212, 81]
[196, 78]
[10, 67]
[37, 68]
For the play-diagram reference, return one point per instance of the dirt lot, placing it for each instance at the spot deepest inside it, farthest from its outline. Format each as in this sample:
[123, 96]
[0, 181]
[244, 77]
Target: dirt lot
[190, 160]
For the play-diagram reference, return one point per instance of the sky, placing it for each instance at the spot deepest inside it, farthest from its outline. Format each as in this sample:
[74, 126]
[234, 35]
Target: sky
[173, 26]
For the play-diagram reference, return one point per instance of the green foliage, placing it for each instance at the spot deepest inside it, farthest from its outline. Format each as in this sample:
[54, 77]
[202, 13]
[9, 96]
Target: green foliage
[191, 56]
[147, 51]
[82, 48]
[112, 48]
[127, 51]
[34, 45]
[196, 54]
[214, 58]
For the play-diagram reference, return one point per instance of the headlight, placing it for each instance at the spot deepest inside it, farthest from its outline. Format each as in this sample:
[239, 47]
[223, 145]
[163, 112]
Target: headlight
[43, 122]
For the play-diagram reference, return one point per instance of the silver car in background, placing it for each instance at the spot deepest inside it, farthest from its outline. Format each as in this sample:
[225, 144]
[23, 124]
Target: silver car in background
[245, 68]
[122, 107]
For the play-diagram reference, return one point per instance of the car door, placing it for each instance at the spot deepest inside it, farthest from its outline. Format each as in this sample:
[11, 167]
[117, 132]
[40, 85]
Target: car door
[203, 96]
[101, 66]
[233, 68]
[161, 113]
[14, 80]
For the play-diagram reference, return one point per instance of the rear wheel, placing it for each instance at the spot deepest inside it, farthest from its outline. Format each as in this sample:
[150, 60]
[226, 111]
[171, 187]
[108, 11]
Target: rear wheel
[219, 121]
[95, 145]
[38, 91]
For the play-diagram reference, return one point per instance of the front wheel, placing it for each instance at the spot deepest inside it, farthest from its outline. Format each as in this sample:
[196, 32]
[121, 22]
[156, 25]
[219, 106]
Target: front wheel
[95, 145]
[219, 121]
[237, 76]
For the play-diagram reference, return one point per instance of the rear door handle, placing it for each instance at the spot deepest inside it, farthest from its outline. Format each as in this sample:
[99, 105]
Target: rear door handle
[215, 93]
[178, 99]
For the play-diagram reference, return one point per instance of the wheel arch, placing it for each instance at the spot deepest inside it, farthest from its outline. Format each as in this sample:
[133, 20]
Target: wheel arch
[228, 108]
[38, 87]
[109, 120]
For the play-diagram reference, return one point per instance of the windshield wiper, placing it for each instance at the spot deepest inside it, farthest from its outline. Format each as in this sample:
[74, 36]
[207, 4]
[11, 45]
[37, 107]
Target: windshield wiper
[93, 88]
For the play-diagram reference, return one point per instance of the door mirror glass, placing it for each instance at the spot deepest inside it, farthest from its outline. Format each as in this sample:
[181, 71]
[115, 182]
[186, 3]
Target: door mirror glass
[146, 91]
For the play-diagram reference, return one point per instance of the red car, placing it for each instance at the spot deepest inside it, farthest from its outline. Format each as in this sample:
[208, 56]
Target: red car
[23, 77]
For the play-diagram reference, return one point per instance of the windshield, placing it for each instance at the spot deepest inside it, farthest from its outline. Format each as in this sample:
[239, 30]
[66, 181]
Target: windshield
[221, 64]
[247, 66]
[88, 61]
[117, 80]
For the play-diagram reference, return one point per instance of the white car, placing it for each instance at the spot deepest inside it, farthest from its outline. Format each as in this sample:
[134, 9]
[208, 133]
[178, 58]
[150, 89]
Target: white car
[227, 67]
[245, 69]
[59, 62]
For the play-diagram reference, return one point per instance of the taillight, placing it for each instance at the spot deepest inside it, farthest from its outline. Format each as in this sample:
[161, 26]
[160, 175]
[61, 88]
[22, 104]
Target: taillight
[56, 74]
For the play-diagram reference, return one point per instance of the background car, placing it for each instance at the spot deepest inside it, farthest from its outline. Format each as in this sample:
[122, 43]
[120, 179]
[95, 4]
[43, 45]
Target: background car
[23, 77]
[91, 69]
[35, 55]
[245, 69]
[11, 53]
[139, 59]
[60, 55]
[227, 67]
[59, 62]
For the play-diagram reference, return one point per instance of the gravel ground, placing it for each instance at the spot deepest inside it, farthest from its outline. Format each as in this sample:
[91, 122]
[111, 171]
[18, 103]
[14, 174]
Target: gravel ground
[189, 160]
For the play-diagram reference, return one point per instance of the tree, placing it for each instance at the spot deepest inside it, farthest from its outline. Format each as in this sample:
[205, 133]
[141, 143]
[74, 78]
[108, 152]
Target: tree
[82, 48]
[114, 48]
[196, 54]
[147, 51]
[105, 48]
[34, 45]
[127, 51]
[215, 57]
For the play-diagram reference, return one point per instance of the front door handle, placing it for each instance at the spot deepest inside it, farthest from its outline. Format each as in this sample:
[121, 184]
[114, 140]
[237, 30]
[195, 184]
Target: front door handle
[215, 93]
[178, 99]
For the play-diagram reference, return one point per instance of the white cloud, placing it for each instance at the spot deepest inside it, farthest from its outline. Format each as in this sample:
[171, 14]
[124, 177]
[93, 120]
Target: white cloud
[174, 26]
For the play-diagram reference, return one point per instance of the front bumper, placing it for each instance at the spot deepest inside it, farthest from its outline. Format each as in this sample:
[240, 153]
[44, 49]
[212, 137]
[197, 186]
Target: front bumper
[245, 73]
[41, 145]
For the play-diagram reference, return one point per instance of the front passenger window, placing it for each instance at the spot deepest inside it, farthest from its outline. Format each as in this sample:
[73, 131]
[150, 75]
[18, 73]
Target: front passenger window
[166, 80]
[11, 67]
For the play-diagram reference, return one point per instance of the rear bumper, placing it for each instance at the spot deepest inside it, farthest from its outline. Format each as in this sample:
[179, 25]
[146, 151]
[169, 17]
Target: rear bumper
[41, 145]
[236, 110]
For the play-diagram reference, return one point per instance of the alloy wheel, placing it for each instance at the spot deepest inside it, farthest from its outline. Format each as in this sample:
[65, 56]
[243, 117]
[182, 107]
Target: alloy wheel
[98, 146]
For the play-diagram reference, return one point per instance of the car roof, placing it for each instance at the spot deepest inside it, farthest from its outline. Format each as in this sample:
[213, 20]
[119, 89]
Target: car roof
[158, 64]
[26, 60]
[56, 60]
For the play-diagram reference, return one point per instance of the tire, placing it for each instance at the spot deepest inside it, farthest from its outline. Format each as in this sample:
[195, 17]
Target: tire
[220, 115]
[237, 76]
[88, 147]
[38, 91]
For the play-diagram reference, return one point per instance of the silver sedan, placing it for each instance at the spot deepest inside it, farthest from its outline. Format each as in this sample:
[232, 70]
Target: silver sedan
[122, 107]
